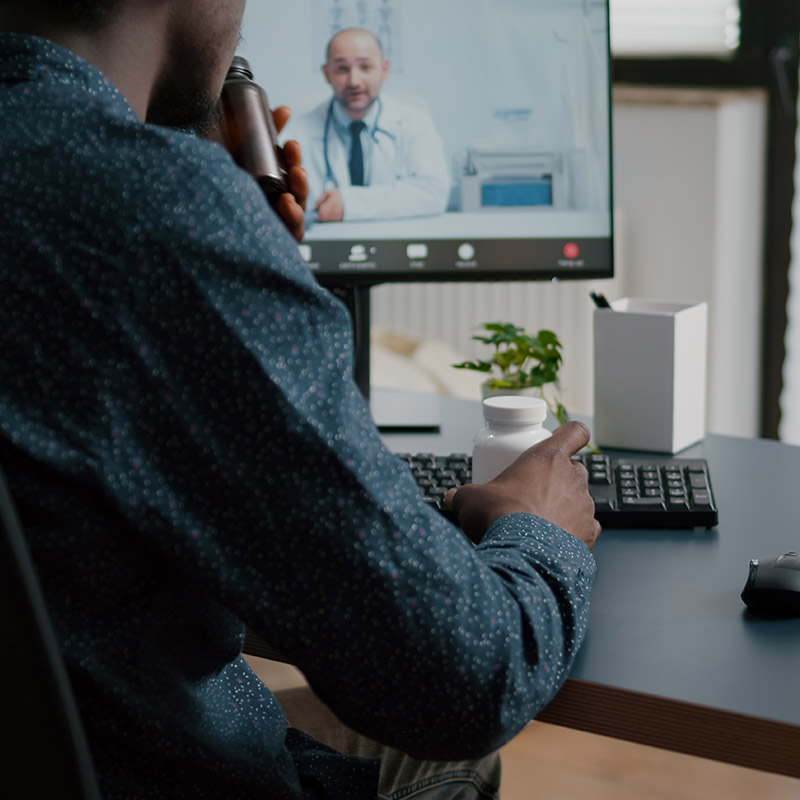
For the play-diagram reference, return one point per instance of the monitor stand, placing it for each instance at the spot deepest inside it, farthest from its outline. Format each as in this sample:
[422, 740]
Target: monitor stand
[417, 411]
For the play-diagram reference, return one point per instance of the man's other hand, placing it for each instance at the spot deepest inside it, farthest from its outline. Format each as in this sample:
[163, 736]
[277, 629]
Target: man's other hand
[291, 205]
[330, 206]
[543, 481]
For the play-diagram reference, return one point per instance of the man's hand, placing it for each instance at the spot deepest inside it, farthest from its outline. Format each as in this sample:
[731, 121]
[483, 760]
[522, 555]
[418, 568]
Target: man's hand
[291, 205]
[330, 206]
[542, 481]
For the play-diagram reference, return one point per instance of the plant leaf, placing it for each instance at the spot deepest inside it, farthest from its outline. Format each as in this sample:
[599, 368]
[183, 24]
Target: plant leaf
[478, 366]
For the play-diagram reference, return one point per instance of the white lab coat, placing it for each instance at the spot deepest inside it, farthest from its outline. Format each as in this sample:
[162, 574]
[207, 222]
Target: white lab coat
[408, 171]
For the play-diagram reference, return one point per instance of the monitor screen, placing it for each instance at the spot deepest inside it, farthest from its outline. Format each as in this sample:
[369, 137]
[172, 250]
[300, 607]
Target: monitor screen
[445, 141]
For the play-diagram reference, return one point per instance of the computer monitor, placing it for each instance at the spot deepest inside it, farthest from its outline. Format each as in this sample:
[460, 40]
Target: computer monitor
[485, 152]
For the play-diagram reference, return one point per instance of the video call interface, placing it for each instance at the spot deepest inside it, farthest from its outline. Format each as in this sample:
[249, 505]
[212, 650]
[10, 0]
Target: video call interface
[485, 141]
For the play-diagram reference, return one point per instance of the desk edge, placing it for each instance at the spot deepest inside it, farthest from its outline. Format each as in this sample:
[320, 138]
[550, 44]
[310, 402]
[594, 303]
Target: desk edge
[734, 738]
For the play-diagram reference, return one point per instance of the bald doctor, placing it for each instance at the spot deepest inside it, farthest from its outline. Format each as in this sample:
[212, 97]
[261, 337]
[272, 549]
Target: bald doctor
[367, 155]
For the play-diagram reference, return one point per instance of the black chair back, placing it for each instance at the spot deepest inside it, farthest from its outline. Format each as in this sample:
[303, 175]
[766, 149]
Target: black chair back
[46, 755]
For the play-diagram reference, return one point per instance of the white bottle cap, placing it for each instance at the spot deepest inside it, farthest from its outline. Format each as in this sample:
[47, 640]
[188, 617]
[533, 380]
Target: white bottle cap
[513, 409]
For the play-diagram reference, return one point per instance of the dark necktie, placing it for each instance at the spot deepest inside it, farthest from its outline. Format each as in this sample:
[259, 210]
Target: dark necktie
[356, 154]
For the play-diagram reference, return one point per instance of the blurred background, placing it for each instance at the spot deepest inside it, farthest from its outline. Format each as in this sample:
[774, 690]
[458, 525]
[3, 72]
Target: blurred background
[705, 107]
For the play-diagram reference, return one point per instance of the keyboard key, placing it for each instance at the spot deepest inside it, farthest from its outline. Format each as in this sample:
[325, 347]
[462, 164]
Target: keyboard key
[698, 481]
[444, 475]
[677, 504]
[643, 502]
[701, 499]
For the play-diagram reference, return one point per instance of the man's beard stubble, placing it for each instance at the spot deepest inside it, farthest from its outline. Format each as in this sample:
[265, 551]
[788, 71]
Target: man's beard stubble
[188, 112]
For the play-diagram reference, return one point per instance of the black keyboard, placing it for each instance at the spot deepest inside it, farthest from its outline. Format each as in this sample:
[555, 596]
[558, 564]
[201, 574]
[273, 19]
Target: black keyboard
[655, 492]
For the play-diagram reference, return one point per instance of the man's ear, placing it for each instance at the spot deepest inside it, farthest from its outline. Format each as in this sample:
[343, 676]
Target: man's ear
[324, 69]
[386, 66]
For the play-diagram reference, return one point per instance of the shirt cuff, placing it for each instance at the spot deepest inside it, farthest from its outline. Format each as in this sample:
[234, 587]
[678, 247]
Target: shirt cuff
[528, 529]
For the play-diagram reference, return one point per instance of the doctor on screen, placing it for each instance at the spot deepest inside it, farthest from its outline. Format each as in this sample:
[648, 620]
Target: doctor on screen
[367, 155]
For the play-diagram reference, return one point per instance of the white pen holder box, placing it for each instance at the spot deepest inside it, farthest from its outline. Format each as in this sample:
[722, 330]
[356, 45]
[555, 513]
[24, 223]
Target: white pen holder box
[649, 374]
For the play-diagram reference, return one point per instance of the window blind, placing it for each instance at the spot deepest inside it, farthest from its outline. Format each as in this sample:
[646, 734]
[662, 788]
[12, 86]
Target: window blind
[674, 28]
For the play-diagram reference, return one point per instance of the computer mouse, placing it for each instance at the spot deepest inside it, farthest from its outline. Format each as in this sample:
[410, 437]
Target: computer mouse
[773, 586]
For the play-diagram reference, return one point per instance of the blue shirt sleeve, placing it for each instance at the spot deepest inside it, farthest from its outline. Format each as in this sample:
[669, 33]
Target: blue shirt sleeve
[289, 506]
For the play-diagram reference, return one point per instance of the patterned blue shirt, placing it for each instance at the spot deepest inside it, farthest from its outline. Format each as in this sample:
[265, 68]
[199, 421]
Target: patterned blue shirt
[189, 455]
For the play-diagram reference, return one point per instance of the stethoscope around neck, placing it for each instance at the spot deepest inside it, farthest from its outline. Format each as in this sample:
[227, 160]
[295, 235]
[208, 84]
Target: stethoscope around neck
[330, 180]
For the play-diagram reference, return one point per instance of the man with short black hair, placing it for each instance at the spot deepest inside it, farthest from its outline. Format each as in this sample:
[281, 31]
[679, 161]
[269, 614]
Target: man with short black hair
[189, 455]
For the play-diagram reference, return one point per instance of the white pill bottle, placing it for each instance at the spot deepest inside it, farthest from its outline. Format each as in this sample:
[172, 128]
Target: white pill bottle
[513, 424]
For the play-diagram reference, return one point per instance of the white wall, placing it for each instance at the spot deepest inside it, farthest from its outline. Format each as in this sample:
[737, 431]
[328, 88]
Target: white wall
[689, 175]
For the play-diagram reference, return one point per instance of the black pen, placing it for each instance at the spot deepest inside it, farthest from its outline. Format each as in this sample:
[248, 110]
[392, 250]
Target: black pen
[599, 300]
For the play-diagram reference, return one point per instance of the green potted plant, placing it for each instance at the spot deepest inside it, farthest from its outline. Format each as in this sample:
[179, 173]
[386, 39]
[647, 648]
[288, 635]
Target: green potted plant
[520, 364]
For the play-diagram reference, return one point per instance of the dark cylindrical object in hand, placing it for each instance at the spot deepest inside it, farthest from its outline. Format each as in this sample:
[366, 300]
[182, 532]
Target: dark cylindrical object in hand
[248, 130]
